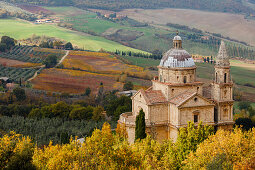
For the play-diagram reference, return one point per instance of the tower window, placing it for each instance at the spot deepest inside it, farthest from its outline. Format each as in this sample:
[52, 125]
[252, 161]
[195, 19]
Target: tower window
[216, 77]
[195, 118]
[184, 79]
[197, 88]
[225, 78]
[172, 90]
[177, 78]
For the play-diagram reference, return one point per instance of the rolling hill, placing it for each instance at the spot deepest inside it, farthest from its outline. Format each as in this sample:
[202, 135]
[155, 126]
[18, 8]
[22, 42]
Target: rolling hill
[20, 29]
[233, 6]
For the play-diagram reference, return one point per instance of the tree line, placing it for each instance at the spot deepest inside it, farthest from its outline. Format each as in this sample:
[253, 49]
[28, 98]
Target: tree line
[156, 54]
[5, 14]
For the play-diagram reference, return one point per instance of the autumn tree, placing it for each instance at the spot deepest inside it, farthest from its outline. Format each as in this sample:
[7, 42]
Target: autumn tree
[121, 131]
[50, 61]
[8, 41]
[244, 123]
[140, 126]
[19, 94]
[128, 86]
[97, 113]
[87, 91]
[68, 46]
[16, 152]
[226, 149]
[187, 141]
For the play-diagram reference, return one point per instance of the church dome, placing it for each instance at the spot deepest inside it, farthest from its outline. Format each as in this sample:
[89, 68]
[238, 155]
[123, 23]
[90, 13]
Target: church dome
[177, 37]
[177, 56]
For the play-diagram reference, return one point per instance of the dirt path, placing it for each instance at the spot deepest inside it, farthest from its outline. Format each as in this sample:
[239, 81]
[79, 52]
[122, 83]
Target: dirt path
[43, 66]
[62, 59]
[34, 76]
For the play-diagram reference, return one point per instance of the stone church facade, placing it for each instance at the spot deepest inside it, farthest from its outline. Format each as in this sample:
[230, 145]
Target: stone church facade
[176, 97]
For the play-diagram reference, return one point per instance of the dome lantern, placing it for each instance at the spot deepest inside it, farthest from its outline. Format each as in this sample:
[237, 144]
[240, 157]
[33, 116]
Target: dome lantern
[177, 41]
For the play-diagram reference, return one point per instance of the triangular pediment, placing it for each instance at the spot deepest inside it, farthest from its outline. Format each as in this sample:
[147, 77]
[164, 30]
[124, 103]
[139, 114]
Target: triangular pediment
[196, 101]
[140, 96]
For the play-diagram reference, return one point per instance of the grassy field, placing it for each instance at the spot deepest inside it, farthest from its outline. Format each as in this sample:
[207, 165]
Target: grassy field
[229, 25]
[89, 22]
[19, 29]
[142, 62]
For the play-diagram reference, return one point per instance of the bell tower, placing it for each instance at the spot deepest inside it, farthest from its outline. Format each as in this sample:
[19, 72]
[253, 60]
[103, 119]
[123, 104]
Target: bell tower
[222, 89]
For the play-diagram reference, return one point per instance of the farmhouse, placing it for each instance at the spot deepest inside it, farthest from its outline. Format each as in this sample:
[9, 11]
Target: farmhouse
[43, 21]
[198, 58]
[176, 97]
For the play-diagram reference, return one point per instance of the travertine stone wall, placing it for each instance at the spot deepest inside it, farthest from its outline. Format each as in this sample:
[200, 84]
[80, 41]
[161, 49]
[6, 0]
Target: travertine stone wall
[171, 91]
[173, 133]
[222, 92]
[204, 114]
[225, 112]
[139, 103]
[173, 114]
[131, 133]
[225, 127]
[160, 86]
[220, 75]
[162, 133]
[173, 75]
[158, 113]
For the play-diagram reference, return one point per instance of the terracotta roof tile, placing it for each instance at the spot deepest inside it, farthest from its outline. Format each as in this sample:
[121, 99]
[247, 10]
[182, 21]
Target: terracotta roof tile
[178, 100]
[154, 96]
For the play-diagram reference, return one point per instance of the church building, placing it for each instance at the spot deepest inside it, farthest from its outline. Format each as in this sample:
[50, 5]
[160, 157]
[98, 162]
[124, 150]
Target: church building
[176, 97]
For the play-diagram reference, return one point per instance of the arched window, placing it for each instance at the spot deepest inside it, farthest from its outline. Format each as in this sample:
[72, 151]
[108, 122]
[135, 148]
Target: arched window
[225, 78]
[184, 79]
[216, 77]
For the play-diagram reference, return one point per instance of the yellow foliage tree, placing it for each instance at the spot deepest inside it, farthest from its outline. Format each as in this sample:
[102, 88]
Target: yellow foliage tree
[225, 150]
[16, 152]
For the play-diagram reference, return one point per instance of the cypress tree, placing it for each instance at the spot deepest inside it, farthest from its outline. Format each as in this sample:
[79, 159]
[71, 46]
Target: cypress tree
[140, 126]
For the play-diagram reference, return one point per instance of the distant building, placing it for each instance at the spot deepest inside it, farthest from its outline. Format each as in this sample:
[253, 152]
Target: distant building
[43, 21]
[11, 86]
[176, 97]
[205, 37]
[62, 47]
[198, 58]
[127, 93]
[5, 79]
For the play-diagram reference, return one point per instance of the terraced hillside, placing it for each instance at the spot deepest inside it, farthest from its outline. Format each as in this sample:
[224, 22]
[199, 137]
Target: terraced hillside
[21, 62]
[82, 69]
